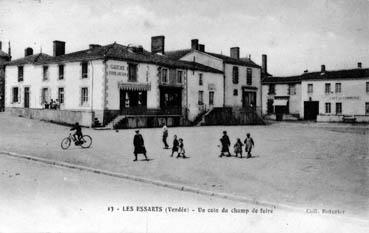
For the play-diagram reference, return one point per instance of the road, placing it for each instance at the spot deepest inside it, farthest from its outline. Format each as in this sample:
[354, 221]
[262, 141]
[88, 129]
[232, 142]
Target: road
[40, 197]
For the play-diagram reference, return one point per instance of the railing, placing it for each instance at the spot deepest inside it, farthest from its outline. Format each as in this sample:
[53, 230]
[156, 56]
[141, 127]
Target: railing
[151, 111]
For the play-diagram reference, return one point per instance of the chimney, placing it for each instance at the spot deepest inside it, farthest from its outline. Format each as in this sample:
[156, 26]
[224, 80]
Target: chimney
[58, 48]
[235, 52]
[9, 50]
[358, 64]
[92, 46]
[201, 47]
[323, 68]
[158, 44]
[195, 44]
[264, 64]
[28, 51]
[306, 71]
[1, 45]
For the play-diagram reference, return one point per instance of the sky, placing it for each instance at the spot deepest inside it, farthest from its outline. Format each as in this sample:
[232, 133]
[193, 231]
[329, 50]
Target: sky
[295, 34]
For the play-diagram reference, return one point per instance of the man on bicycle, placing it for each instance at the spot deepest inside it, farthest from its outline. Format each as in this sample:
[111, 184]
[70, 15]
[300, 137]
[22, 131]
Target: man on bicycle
[78, 132]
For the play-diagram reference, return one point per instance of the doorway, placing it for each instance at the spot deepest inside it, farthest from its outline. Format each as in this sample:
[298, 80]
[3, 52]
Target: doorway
[311, 110]
[249, 99]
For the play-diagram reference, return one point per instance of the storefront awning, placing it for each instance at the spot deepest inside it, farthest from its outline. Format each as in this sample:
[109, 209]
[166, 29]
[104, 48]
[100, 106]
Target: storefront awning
[280, 102]
[135, 86]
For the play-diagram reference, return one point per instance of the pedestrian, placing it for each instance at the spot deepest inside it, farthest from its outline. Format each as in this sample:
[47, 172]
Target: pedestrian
[249, 144]
[238, 147]
[165, 136]
[175, 147]
[181, 149]
[138, 143]
[225, 145]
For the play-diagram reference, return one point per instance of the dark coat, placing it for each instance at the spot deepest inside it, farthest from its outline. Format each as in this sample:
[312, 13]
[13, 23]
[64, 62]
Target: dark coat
[175, 145]
[138, 143]
[225, 143]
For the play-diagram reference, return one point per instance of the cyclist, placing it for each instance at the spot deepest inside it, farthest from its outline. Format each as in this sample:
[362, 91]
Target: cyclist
[78, 132]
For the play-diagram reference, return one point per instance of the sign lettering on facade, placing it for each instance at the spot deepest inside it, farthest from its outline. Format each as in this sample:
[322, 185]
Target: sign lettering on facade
[345, 98]
[117, 70]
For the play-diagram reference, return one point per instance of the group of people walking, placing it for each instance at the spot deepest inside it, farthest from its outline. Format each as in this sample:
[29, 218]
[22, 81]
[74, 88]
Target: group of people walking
[226, 143]
[178, 145]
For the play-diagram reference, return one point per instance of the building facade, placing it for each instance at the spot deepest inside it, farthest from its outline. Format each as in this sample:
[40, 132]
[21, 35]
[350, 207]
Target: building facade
[242, 77]
[97, 85]
[325, 96]
[4, 58]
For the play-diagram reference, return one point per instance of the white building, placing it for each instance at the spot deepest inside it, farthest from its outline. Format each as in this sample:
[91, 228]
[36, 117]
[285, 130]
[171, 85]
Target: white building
[325, 96]
[104, 82]
[242, 77]
[336, 95]
[281, 95]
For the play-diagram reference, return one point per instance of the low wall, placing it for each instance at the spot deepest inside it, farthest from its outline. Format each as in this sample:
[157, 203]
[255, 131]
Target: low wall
[84, 118]
[339, 118]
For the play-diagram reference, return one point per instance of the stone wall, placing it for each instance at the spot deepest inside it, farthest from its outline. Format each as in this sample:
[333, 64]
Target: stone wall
[84, 118]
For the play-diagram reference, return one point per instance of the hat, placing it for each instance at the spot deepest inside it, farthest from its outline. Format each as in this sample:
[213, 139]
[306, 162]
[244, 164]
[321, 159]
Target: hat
[224, 131]
[137, 131]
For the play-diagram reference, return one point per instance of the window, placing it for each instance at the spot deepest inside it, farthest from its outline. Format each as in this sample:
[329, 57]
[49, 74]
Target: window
[310, 88]
[327, 107]
[201, 97]
[45, 95]
[179, 76]
[84, 95]
[338, 108]
[338, 88]
[45, 73]
[61, 95]
[164, 75]
[84, 70]
[367, 108]
[61, 72]
[327, 88]
[235, 75]
[271, 89]
[292, 89]
[211, 97]
[20, 73]
[367, 87]
[235, 92]
[249, 76]
[15, 94]
[200, 80]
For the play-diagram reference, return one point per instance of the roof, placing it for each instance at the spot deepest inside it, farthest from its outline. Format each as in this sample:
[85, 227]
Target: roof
[282, 80]
[337, 74]
[327, 75]
[178, 54]
[115, 52]
[29, 59]
[4, 54]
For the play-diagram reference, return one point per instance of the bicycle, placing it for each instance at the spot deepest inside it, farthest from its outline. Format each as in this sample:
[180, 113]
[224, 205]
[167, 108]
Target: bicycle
[85, 141]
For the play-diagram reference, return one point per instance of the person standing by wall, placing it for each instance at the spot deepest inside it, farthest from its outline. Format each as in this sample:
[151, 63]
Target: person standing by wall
[138, 143]
[165, 136]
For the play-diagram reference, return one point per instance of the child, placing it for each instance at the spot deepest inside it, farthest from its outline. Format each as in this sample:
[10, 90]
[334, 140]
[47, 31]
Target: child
[175, 147]
[238, 147]
[249, 143]
[181, 149]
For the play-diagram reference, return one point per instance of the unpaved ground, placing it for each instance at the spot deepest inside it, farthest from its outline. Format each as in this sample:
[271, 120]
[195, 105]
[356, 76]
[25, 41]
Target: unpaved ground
[305, 165]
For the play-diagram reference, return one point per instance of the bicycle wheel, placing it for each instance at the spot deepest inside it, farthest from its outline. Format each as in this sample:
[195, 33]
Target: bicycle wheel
[65, 144]
[86, 141]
